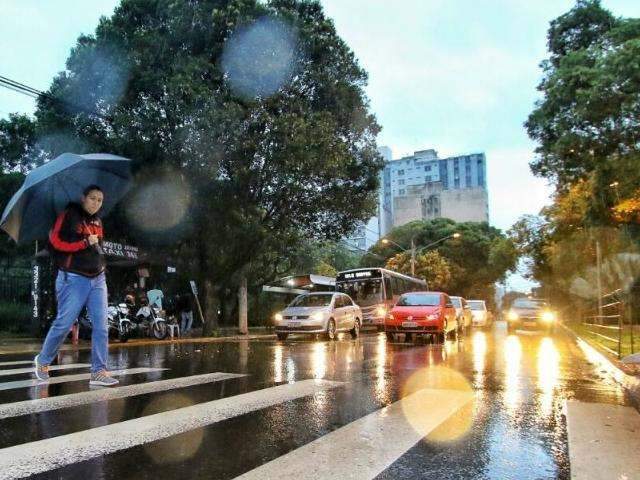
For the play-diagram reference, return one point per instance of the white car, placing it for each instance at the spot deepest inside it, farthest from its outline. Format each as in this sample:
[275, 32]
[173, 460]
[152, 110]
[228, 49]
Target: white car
[325, 313]
[463, 312]
[480, 316]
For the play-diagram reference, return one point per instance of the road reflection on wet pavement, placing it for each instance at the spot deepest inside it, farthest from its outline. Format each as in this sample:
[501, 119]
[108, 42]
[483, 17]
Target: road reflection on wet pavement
[513, 426]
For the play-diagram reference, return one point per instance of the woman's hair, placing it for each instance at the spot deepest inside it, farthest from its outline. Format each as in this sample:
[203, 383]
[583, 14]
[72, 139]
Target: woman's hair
[91, 188]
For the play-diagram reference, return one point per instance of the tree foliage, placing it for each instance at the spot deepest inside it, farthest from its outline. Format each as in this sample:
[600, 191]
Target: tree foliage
[586, 128]
[263, 172]
[429, 266]
[477, 260]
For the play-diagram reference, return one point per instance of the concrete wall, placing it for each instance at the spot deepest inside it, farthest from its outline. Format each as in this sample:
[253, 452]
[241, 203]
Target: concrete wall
[467, 205]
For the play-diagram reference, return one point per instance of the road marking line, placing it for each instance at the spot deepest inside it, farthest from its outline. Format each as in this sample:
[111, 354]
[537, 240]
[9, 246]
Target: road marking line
[45, 455]
[27, 407]
[68, 366]
[603, 441]
[73, 378]
[366, 447]
[17, 362]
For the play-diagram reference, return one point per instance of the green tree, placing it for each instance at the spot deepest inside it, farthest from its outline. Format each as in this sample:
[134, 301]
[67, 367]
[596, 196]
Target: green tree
[18, 148]
[429, 266]
[479, 258]
[263, 170]
[586, 123]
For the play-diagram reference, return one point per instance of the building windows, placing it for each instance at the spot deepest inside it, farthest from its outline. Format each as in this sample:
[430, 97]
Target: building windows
[400, 172]
[427, 179]
[457, 183]
[427, 168]
[400, 182]
[401, 191]
[468, 180]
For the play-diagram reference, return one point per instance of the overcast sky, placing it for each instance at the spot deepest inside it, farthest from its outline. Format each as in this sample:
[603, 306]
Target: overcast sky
[454, 75]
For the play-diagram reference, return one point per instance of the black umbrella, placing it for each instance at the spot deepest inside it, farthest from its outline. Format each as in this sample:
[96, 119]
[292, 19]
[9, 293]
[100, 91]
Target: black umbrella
[48, 189]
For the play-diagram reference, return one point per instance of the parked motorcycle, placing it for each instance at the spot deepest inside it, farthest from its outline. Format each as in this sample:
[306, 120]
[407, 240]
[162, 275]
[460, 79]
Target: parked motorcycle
[120, 325]
[151, 323]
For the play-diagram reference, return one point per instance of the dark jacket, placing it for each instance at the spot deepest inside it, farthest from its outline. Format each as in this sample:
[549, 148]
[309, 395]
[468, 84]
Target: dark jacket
[68, 241]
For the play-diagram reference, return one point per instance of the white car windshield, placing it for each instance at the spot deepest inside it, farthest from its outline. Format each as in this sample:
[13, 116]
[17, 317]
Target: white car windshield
[476, 305]
[312, 301]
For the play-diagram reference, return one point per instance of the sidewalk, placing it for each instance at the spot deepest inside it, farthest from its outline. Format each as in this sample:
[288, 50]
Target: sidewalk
[17, 345]
[628, 376]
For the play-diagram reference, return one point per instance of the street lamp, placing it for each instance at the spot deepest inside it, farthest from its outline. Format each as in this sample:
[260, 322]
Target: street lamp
[414, 250]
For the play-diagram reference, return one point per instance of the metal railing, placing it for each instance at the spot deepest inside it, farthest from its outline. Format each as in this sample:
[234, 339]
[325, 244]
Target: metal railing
[608, 320]
[612, 321]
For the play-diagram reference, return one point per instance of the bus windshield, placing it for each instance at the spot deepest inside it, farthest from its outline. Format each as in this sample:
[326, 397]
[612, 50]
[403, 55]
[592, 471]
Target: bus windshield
[363, 292]
[321, 300]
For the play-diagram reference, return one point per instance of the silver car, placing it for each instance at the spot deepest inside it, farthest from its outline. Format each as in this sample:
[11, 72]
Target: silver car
[325, 313]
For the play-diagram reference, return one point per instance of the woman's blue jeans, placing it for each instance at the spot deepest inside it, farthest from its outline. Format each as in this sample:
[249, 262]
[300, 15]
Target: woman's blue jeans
[74, 291]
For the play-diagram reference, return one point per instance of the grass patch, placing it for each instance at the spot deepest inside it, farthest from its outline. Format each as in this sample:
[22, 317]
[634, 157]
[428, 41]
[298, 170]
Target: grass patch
[589, 334]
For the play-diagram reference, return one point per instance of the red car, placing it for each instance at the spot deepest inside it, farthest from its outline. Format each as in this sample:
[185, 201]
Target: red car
[422, 313]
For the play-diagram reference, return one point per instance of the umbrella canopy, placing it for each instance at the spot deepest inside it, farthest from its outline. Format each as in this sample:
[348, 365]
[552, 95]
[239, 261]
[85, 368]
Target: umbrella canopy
[48, 189]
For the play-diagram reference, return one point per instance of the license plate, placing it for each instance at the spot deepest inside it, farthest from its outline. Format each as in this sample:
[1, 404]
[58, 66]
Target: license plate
[294, 324]
[409, 324]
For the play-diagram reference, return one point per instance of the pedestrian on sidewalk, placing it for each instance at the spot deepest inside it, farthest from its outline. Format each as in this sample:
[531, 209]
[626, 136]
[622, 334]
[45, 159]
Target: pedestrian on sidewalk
[185, 309]
[75, 243]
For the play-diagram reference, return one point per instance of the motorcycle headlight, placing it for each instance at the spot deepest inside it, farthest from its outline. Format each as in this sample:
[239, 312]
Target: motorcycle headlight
[512, 316]
[548, 317]
[317, 316]
[277, 317]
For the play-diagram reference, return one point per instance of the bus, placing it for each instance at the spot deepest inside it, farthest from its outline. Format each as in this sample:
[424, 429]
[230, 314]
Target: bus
[376, 290]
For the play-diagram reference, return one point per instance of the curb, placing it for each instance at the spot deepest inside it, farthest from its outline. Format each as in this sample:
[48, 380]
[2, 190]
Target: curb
[142, 343]
[619, 372]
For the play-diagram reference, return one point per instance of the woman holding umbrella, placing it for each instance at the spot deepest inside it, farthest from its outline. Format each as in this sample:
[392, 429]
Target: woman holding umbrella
[75, 241]
[49, 197]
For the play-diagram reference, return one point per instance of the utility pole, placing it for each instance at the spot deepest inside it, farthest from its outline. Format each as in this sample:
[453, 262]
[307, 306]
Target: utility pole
[599, 278]
[413, 256]
[242, 307]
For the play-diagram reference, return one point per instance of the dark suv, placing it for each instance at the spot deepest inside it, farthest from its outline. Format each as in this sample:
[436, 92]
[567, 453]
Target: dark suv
[530, 313]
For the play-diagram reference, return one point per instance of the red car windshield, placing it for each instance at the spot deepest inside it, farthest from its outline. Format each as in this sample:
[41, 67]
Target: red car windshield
[419, 300]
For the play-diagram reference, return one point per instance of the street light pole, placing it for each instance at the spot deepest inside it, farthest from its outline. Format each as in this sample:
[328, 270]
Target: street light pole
[413, 256]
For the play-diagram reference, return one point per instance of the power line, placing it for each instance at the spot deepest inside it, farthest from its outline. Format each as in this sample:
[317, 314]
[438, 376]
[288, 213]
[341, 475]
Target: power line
[35, 93]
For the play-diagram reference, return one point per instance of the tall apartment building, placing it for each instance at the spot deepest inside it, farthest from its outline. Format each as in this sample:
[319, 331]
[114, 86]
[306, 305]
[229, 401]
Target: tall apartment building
[423, 187]
[367, 234]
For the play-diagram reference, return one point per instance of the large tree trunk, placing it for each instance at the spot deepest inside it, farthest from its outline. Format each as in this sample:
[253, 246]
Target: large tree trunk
[243, 326]
[211, 308]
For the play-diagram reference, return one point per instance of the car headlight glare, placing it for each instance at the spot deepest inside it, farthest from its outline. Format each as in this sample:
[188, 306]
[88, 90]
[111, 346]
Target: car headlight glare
[512, 316]
[317, 316]
[390, 316]
[433, 316]
[381, 311]
[278, 317]
[548, 317]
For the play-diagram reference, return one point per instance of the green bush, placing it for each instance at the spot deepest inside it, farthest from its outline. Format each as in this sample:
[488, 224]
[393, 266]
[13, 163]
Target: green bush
[14, 317]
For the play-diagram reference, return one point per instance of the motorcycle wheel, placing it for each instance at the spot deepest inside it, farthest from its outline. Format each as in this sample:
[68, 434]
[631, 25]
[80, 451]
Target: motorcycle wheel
[159, 330]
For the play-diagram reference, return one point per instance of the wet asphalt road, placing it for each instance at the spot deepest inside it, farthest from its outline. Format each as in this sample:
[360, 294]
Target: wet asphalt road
[513, 429]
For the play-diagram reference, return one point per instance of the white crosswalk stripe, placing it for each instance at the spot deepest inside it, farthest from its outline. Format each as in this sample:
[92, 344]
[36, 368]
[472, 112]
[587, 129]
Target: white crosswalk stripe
[73, 378]
[16, 362]
[365, 448]
[44, 455]
[8, 410]
[68, 366]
